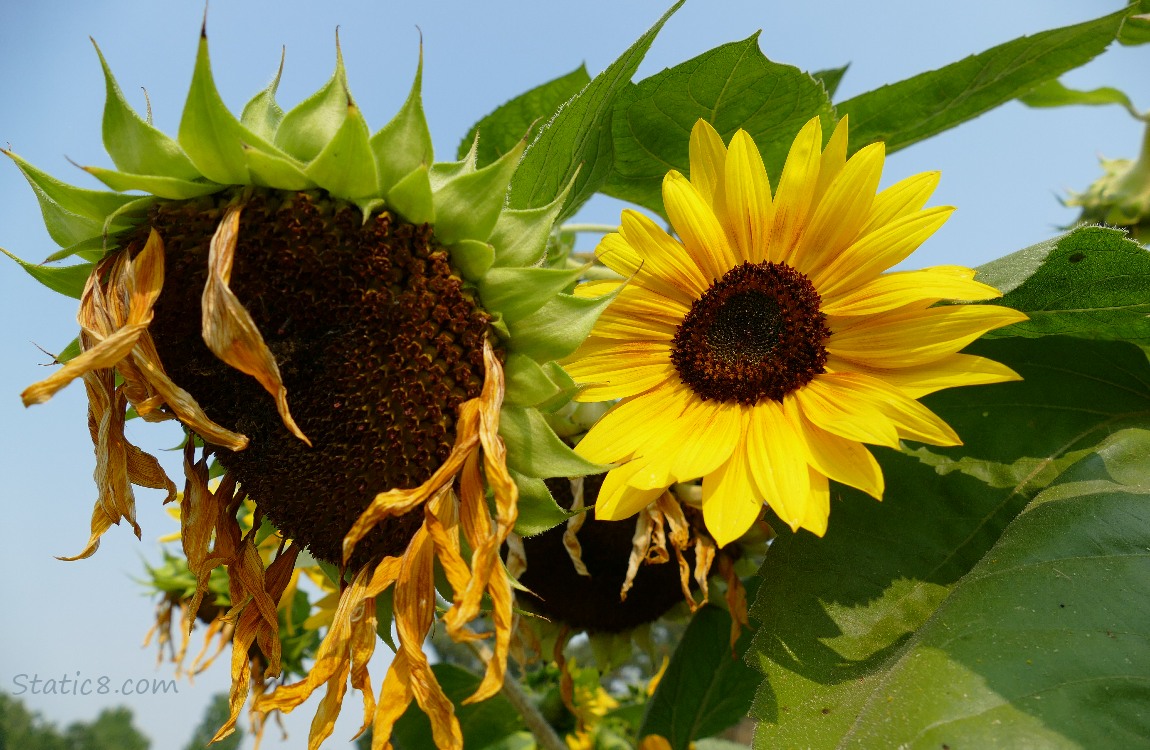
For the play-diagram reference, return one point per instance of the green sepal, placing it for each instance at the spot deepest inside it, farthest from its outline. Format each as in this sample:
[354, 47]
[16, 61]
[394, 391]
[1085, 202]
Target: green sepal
[262, 114]
[172, 188]
[468, 206]
[209, 133]
[404, 144]
[534, 449]
[520, 235]
[71, 214]
[559, 327]
[345, 167]
[411, 197]
[518, 292]
[310, 126]
[538, 511]
[136, 147]
[472, 258]
[567, 388]
[527, 382]
[443, 172]
[71, 351]
[385, 615]
[280, 172]
[66, 280]
[89, 249]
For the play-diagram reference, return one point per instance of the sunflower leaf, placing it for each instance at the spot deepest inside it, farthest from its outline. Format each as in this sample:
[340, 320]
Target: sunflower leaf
[136, 147]
[404, 144]
[706, 687]
[527, 113]
[312, 124]
[1090, 283]
[732, 86]
[580, 134]
[535, 450]
[830, 78]
[1054, 94]
[856, 598]
[910, 110]
[1050, 620]
[412, 197]
[66, 280]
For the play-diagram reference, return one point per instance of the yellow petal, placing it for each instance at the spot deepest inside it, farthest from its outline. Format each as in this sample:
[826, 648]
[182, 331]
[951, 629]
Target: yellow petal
[708, 158]
[618, 499]
[917, 337]
[778, 462]
[900, 199]
[731, 502]
[833, 160]
[949, 372]
[749, 214]
[619, 371]
[836, 220]
[691, 446]
[875, 252]
[892, 290]
[843, 460]
[228, 328]
[630, 424]
[796, 190]
[817, 509]
[652, 259]
[697, 226]
[859, 407]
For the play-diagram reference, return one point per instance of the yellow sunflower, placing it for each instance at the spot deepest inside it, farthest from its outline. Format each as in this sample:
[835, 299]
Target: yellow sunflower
[761, 347]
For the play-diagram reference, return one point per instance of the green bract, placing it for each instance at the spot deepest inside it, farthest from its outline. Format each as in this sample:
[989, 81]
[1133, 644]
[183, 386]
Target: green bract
[324, 143]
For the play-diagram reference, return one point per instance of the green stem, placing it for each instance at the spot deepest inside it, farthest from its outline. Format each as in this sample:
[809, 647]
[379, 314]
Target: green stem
[589, 228]
[544, 733]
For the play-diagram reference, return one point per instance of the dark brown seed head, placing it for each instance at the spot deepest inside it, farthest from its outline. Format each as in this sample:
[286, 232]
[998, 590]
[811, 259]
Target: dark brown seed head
[756, 334]
[377, 341]
[563, 596]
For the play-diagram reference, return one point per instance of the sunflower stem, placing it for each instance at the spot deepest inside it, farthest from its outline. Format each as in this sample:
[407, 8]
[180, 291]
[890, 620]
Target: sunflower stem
[589, 228]
[544, 733]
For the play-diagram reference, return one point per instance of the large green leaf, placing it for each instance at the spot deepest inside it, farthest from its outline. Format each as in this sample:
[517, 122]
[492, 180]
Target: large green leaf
[916, 108]
[501, 130]
[1092, 283]
[482, 723]
[732, 86]
[706, 688]
[1045, 643]
[577, 141]
[836, 612]
[1055, 94]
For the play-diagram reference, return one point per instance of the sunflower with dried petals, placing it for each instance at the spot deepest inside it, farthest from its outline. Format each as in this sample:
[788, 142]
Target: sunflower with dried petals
[762, 347]
[358, 335]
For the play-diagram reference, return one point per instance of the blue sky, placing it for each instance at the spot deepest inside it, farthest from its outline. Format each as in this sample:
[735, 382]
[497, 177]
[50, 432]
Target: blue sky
[1004, 171]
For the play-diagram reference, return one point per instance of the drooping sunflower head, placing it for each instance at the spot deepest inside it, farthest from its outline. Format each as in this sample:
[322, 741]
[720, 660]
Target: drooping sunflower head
[765, 343]
[358, 336]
